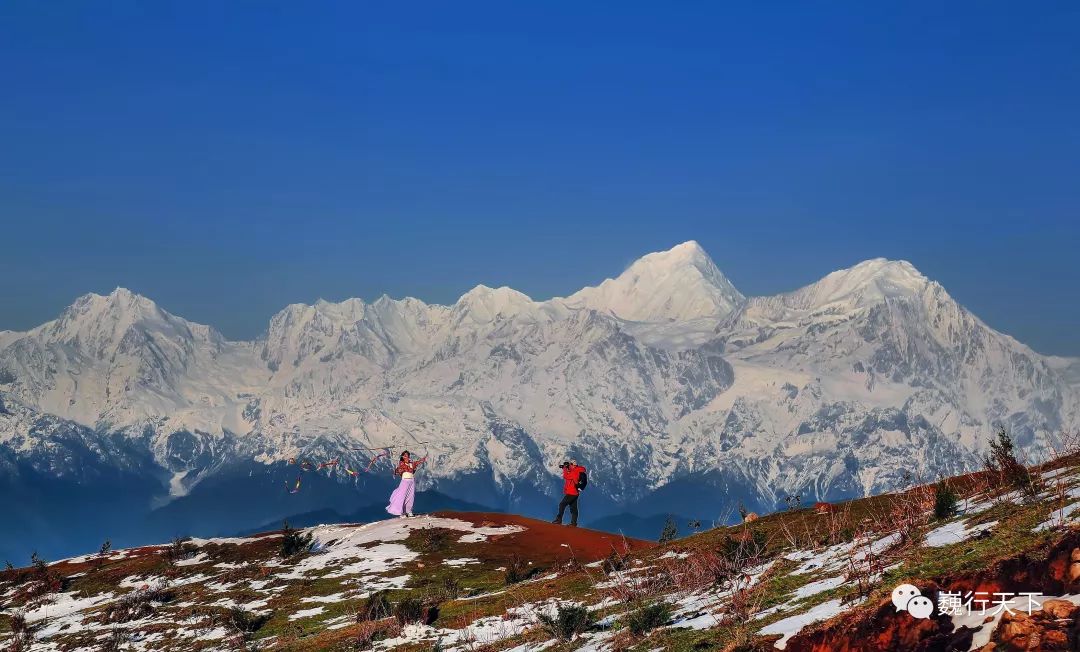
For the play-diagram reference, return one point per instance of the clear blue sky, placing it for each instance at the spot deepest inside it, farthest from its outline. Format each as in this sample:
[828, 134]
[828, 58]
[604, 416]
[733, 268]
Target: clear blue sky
[228, 158]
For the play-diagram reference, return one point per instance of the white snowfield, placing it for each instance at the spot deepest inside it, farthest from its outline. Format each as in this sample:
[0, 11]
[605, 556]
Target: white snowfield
[667, 371]
[349, 549]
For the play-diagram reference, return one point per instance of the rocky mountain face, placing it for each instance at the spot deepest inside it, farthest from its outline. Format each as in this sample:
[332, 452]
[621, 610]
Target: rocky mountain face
[680, 394]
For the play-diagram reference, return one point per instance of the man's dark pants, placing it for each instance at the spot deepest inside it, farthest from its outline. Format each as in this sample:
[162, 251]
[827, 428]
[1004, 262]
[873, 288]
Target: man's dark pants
[571, 502]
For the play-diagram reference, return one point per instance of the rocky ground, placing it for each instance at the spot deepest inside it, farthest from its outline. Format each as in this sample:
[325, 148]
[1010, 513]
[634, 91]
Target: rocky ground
[808, 578]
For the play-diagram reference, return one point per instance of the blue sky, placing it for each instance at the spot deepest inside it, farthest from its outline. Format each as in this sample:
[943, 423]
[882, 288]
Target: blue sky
[228, 158]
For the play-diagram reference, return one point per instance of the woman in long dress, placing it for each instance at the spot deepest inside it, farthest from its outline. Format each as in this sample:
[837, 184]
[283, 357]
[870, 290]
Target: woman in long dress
[401, 501]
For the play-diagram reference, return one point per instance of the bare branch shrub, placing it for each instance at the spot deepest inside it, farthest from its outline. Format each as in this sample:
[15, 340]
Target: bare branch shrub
[136, 605]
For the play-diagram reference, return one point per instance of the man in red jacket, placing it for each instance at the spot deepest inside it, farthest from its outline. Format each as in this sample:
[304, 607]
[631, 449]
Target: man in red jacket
[574, 480]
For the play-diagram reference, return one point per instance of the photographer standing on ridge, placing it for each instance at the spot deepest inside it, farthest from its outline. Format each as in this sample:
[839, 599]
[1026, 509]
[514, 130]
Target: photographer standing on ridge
[575, 478]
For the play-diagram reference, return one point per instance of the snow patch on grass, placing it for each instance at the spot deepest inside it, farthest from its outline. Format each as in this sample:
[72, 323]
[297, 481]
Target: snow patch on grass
[792, 625]
[307, 613]
[820, 586]
[464, 561]
[1058, 518]
[955, 532]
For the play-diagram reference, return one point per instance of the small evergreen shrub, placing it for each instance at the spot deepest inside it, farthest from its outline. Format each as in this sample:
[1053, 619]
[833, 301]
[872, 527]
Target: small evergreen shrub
[1001, 461]
[414, 610]
[568, 622]
[945, 500]
[41, 578]
[648, 618]
[294, 543]
[670, 531]
[12, 575]
[40, 566]
[103, 552]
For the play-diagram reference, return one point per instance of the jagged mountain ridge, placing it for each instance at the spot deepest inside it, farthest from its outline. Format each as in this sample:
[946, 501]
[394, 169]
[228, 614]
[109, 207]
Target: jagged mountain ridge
[664, 380]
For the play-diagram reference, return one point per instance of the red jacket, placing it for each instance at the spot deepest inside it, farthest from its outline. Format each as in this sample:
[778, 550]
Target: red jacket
[570, 479]
[410, 466]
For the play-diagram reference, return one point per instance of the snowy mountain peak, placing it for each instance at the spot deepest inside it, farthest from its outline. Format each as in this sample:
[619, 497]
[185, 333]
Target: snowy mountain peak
[484, 304]
[98, 323]
[119, 301]
[678, 284]
[870, 281]
[495, 298]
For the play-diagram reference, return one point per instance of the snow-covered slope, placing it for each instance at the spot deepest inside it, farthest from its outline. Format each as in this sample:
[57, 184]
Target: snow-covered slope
[677, 391]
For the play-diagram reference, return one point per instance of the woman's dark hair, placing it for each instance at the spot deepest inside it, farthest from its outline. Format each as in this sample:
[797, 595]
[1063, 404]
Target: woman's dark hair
[401, 458]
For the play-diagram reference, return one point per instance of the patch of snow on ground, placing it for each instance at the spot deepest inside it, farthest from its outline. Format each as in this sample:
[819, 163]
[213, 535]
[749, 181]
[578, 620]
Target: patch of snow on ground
[955, 532]
[228, 565]
[973, 620]
[337, 597]
[702, 621]
[597, 642]
[396, 529]
[671, 554]
[221, 541]
[877, 547]
[307, 613]
[820, 586]
[825, 558]
[461, 562]
[1050, 475]
[229, 603]
[603, 604]
[792, 625]
[834, 557]
[1058, 518]
[215, 634]
[200, 558]
[970, 506]
[481, 632]
[697, 610]
[532, 647]
[65, 604]
[137, 582]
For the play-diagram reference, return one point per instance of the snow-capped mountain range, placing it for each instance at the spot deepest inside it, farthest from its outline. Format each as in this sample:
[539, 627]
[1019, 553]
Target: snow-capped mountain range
[677, 391]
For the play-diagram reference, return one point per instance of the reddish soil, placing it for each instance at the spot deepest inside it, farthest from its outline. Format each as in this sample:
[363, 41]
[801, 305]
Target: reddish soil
[886, 629]
[547, 542]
